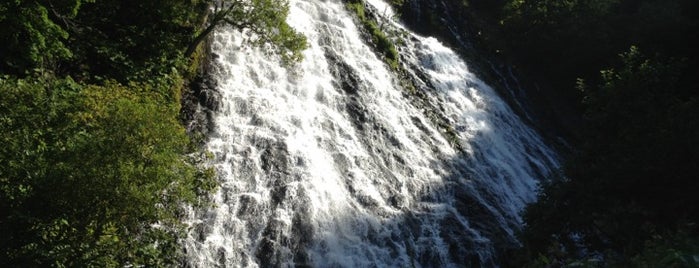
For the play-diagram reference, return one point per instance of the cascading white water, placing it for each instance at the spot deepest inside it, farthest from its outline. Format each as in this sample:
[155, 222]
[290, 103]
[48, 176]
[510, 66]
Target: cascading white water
[332, 164]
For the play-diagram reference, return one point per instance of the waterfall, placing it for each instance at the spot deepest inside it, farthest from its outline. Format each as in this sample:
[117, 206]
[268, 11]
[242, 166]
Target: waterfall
[332, 163]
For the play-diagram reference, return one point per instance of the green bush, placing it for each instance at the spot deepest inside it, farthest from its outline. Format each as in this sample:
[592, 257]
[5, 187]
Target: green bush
[87, 173]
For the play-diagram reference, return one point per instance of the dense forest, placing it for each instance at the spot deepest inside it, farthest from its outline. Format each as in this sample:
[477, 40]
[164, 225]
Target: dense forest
[627, 194]
[96, 166]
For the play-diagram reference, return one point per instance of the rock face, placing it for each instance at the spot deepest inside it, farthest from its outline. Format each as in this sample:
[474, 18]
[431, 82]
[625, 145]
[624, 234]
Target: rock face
[200, 101]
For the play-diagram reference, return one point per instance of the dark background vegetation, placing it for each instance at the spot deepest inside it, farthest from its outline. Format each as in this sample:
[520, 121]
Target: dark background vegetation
[627, 195]
[95, 166]
[622, 78]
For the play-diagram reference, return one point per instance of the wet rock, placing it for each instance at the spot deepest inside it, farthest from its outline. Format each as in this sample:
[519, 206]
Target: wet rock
[199, 102]
[357, 113]
[221, 257]
[247, 205]
[418, 123]
[341, 162]
[346, 77]
[367, 201]
[274, 161]
[269, 251]
[397, 201]
[302, 230]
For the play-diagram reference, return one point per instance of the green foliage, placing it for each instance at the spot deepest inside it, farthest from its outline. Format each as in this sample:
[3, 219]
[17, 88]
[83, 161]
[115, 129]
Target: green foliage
[378, 37]
[268, 21]
[265, 20]
[31, 40]
[87, 172]
[634, 177]
[107, 39]
[679, 249]
[130, 39]
[563, 40]
[559, 41]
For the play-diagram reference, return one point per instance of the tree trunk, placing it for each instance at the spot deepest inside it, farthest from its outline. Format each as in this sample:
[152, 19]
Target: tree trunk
[200, 38]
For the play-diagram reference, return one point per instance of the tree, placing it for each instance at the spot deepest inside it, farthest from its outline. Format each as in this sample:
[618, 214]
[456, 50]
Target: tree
[129, 40]
[31, 39]
[91, 175]
[263, 20]
[634, 178]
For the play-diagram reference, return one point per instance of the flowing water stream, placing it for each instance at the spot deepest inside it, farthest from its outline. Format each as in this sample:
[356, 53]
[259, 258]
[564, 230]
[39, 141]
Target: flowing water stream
[334, 164]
